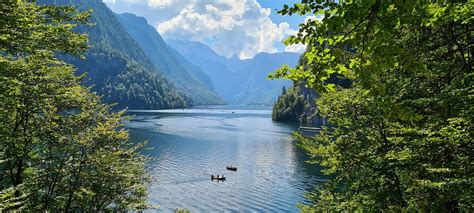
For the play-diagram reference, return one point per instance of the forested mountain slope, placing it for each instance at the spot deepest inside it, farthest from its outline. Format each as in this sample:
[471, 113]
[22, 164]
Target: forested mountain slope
[117, 66]
[182, 74]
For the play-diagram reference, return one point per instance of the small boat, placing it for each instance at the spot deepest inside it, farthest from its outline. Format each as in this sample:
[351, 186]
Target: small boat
[222, 178]
[231, 168]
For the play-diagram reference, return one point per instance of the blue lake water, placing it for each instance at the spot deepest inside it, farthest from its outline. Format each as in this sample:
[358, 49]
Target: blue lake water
[189, 145]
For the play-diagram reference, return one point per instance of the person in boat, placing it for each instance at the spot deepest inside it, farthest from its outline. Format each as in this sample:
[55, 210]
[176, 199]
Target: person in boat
[212, 176]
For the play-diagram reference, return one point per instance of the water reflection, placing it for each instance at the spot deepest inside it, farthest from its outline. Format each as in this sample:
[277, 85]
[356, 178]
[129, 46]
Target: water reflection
[190, 145]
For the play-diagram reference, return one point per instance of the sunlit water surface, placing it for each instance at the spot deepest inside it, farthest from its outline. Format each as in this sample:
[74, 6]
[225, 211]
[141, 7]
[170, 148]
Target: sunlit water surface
[189, 145]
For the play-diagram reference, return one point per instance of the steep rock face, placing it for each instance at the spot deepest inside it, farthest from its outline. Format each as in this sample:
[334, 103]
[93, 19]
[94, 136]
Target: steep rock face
[185, 76]
[117, 66]
[238, 81]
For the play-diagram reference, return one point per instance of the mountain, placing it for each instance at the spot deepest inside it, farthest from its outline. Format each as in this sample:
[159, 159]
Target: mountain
[214, 65]
[238, 81]
[185, 76]
[117, 66]
[256, 88]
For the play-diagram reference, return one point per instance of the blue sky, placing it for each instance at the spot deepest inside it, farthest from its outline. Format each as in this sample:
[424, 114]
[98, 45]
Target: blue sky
[240, 28]
[294, 20]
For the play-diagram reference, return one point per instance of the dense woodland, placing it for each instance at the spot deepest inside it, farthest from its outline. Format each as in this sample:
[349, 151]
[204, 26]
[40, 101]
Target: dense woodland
[289, 105]
[402, 133]
[61, 149]
[116, 66]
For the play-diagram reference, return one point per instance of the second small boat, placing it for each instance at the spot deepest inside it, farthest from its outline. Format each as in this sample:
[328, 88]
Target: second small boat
[232, 168]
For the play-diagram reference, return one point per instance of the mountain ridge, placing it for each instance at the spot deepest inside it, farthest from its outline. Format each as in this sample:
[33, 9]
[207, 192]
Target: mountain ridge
[181, 73]
[117, 66]
[238, 81]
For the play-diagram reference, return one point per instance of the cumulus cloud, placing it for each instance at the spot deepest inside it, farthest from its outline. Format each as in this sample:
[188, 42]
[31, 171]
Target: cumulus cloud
[159, 3]
[300, 48]
[297, 48]
[233, 27]
[230, 27]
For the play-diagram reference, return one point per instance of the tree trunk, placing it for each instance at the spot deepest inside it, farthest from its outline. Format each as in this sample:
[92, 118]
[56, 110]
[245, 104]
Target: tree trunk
[18, 179]
[452, 206]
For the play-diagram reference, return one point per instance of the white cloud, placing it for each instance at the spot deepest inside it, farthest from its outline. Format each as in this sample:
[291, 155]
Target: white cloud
[159, 3]
[230, 27]
[297, 48]
[300, 48]
[235, 27]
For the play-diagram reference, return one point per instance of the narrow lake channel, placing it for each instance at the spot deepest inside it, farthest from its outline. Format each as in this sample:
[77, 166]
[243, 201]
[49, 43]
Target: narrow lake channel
[191, 144]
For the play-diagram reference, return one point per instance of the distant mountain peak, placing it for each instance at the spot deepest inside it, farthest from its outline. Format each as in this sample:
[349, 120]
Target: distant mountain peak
[238, 81]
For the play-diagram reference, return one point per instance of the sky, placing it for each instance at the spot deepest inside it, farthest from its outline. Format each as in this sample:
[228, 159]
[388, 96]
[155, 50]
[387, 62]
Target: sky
[241, 28]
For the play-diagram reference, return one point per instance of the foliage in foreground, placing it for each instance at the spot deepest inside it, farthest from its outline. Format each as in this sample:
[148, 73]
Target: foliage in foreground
[403, 135]
[61, 149]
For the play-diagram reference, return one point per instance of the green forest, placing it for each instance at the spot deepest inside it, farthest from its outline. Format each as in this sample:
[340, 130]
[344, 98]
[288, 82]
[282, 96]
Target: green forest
[390, 83]
[289, 105]
[402, 133]
[61, 148]
[115, 66]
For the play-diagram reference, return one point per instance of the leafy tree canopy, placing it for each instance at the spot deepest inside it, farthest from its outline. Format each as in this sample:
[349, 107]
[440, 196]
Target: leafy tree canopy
[403, 131]
[61, 149]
